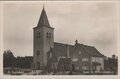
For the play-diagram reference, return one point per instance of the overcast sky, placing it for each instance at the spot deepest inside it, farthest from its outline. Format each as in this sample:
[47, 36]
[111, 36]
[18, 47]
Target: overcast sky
[91, 23]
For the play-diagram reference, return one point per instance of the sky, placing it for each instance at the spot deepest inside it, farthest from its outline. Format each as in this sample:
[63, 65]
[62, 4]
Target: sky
[91, 23]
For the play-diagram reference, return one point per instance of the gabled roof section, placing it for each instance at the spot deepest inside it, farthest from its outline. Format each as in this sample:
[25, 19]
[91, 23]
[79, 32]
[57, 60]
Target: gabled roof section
[43, 21]
[91, 50]
[60, 49]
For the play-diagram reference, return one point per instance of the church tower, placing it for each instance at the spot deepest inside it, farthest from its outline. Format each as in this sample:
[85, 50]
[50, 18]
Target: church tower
[43, 40]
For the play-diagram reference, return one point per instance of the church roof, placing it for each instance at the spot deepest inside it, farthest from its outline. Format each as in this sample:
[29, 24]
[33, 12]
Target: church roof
[43, 21]
[61, 49]
[90, 50]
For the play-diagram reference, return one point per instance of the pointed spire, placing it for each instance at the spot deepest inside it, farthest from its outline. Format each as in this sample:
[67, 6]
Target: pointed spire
[43, 21]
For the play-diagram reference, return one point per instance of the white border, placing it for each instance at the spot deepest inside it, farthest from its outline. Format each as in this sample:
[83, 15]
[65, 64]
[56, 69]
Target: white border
[55, 76]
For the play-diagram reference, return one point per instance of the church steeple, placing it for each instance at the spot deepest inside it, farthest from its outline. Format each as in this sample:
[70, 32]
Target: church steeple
[43, 21]
[43, 40]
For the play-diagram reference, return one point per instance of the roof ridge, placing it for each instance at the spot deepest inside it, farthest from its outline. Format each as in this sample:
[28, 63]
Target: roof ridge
[87, 45]
[92, 51]
[85, 49]
[63, 44]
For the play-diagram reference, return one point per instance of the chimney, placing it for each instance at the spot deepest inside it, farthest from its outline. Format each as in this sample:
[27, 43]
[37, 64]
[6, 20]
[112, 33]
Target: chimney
[68, 55]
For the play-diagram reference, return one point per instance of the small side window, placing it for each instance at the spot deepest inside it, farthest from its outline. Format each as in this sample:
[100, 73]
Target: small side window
[84, 59]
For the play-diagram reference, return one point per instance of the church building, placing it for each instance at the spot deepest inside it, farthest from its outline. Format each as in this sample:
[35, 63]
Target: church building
[53, 56]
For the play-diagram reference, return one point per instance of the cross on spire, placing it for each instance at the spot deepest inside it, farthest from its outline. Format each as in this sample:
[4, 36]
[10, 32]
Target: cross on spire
[43, 21]
[43, 5]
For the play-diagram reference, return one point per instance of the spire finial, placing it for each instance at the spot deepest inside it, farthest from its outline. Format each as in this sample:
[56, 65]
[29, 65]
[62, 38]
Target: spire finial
[43, 5]
[76, 41]
[43, 21]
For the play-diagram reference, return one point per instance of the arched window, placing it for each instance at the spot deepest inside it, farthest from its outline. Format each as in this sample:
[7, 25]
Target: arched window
[50, 55]
[79, 52]
[50, 35]
[38, 53]
[47, 35]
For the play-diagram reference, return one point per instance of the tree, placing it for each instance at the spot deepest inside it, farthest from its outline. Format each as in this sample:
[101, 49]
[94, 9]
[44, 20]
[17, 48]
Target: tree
[8, 59]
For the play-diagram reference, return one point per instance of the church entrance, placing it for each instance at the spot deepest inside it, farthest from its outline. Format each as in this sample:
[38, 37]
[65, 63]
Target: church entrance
[38, 65]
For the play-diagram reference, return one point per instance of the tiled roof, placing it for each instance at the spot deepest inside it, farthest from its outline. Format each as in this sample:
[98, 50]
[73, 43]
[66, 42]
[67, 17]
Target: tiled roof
[91, 50]
[61, 49]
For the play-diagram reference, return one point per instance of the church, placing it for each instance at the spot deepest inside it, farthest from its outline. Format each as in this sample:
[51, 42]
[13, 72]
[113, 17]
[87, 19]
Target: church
[53, 56]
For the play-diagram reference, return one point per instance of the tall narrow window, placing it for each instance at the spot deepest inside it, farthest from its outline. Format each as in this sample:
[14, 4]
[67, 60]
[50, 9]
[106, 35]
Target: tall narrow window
[50, 35]
[38, 53]
[39, 35]
[36, 34]
[47, 35]
[79, 52]
[50, 55]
